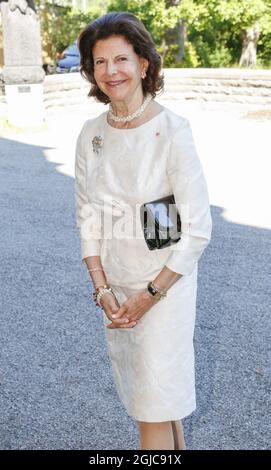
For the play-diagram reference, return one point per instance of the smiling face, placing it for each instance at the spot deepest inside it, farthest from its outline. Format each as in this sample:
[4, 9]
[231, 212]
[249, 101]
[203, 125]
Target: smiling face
[117, 68]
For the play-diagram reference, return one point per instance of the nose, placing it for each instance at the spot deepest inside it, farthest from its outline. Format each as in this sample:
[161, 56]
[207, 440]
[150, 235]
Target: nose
[111, 68]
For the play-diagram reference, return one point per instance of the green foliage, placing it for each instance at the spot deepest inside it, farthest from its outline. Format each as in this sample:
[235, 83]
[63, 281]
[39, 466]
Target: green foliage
[160, 19]
[213, 28]
[191, 58]
[61, 25]
[155, 16]
[218, 56]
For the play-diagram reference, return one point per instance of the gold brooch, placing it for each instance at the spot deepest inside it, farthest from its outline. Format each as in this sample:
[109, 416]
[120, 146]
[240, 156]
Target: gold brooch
[97, 143]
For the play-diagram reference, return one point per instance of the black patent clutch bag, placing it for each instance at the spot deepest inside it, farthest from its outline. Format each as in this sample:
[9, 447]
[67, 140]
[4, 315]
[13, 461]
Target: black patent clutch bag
[161, 222]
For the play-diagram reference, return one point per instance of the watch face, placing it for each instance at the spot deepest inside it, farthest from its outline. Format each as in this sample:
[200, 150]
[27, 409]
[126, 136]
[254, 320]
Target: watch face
[151, 290]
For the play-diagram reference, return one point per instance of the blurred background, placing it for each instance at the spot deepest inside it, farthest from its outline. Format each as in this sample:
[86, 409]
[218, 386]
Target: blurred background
[188, 33]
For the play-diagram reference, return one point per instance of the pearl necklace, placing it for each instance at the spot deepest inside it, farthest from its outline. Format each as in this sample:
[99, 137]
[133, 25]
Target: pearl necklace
[136, 114]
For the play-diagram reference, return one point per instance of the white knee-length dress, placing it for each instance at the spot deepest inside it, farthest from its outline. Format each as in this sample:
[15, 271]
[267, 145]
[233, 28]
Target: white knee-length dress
[117, 170]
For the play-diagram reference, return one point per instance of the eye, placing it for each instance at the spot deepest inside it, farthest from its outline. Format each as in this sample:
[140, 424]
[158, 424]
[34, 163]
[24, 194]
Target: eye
[98, 62]
[122, 58]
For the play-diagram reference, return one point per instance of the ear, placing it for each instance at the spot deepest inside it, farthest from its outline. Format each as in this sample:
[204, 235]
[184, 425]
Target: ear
[144, 63]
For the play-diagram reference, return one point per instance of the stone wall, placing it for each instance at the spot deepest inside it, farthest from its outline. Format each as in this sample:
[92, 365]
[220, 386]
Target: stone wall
[210, 86]
[220, 85]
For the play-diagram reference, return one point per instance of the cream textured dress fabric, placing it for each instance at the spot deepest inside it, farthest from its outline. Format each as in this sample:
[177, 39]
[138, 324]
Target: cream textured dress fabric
[152, 363]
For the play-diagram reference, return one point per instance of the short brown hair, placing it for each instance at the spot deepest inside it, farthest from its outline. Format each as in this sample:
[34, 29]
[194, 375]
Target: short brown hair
[127, 25]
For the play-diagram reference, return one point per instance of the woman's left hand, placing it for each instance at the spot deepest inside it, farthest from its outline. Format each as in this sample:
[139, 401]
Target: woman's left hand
[134, 307]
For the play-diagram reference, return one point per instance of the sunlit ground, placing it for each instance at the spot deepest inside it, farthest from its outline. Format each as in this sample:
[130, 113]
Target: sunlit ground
[233, 145]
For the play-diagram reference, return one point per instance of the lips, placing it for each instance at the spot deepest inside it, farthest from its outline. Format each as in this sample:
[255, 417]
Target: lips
[115, 83]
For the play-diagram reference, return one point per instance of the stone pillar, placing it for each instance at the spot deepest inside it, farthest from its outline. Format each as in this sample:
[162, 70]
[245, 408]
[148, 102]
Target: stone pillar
[23, 73]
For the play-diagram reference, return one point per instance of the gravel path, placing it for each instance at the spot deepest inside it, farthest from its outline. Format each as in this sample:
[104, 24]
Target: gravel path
[56, 387]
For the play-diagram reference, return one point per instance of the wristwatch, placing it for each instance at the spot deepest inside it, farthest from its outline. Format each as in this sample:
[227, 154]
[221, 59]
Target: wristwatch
[155, 291]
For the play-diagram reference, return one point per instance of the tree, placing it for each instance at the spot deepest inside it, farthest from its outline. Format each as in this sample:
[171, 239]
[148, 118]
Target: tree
[249, 50]
[187, 33]
[226, 29]
[61, 24]
[160, 18]
[207, 33]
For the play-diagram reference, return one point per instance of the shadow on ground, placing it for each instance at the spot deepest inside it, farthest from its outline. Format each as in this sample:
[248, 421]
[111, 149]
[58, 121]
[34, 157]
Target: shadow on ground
[57, 390]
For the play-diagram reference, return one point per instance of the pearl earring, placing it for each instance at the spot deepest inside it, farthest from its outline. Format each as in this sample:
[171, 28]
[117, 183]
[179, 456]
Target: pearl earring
[143, 75]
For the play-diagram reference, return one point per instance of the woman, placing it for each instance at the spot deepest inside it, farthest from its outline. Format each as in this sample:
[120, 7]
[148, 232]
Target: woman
[136, 152]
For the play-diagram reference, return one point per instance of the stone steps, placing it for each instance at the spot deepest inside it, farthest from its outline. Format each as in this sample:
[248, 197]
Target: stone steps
[212, 85]
[245, 89]
[232, 86]
[251, 87]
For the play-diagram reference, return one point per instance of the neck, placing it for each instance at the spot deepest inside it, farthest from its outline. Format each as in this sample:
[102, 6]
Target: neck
[129, 105]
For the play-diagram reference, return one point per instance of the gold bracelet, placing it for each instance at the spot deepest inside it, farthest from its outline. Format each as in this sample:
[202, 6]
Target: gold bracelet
[103, 291]
[96, 296]
[160, 289]
[105, 286]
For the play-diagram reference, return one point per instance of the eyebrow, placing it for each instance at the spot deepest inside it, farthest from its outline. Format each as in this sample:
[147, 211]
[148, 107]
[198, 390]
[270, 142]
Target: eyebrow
[114, 57]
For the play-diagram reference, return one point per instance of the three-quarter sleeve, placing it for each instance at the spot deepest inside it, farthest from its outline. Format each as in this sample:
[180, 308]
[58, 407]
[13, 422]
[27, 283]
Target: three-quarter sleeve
[189, 187]
[88, 219]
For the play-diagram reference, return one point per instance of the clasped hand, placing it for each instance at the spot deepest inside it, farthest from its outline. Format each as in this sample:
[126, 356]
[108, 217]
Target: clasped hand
[129, 313]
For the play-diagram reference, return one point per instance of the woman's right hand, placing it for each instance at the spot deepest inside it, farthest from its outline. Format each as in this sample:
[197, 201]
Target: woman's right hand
[110, 306]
